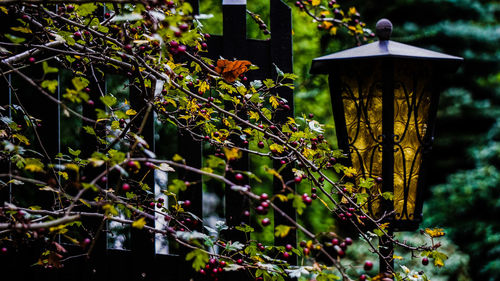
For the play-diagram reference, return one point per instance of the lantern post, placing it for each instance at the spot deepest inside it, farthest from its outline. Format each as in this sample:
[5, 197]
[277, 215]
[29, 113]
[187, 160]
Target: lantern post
[384, 97]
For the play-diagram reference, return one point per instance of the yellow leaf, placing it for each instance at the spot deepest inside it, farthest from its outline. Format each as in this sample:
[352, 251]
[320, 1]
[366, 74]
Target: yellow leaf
[281, 197]
[350, 172]
[315, 2]
[254, 115]
[85, 203]
[140, 223]
[203, 87]
[384, 225]
[63, 174]
[352, 10]
[73, 167]
[436, 232]
[4, 10]
[21, 29]
[177, 158]
[327, 24]
[232, 154]
[282, 230]
[273, 172]
[290, 121]
[396, 257]
[34, 168]
[131, 112]
[438, 262]
[333, 30]
[274, 101]
[21, 138]
[276, 147]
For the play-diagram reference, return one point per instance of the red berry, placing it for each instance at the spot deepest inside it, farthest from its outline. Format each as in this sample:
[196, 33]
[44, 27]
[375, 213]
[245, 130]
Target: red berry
[260, 144]
[183, 27]
[174, 44]
[378, 180]
[288, 247]
[302, 243]
[104, 179]
[307, 200]
[222, 263]
[265, 204]
[187, 203]
[298, 179]
[264, 196]
[368, 265]
[311, 115]
[266, 221]
[181, 49]
[125, 187]
[283, 162]
[425, 261]
[314, 196]
[107, 15]
[31, 60]
[77, 35]
[86, 241]
[362, 277]
[3, 250]
[246, 213]
[335, 241]
[261, 210]
[286, 255]
[239, 261]
[202, 271]
[348, 241]
[306, 251]
[238, 177]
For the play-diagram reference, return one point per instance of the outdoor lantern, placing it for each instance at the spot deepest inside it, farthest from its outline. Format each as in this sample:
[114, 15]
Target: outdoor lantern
[385, 97]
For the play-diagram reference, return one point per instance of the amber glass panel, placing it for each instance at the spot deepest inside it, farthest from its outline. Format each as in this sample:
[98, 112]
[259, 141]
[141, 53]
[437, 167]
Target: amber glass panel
[412, 98]
[362, 98]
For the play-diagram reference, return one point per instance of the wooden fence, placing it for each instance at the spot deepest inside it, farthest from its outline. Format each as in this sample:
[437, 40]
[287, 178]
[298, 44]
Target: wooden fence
[140, 261]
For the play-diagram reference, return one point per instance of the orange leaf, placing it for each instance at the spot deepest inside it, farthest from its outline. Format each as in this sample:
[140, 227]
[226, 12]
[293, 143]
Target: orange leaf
[230, 70]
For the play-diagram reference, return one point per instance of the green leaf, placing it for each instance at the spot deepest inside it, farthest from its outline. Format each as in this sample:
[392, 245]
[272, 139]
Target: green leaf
[176, 186]
[74, 152]
[108, 100]
[67, 36]
[49, 69]
[50, 85]
[282, 230]
[86, 9]
[235, 246]
[245, 228]
[366, 183]
[199, 257]
[15, 39]
[89, 130]
[298, 204]
[361, 198]
[388, 195]
[80, 83]
[269, 83]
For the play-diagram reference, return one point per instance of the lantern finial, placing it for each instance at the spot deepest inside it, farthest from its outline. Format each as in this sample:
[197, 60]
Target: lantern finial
[383, 29]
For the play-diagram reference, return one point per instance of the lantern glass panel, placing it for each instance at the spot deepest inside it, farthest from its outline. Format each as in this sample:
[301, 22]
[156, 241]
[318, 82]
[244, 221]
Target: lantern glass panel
[363, 106]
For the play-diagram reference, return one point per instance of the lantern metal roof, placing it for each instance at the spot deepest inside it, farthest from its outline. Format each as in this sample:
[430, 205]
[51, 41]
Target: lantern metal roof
[382, 49]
